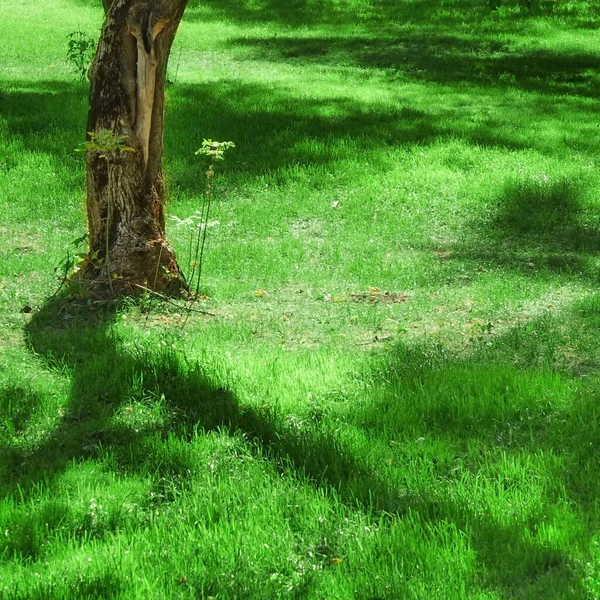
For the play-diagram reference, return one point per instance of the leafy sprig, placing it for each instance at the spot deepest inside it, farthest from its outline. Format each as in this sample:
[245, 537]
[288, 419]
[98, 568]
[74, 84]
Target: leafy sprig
[80, 52]
[214, 150]
[105, 142]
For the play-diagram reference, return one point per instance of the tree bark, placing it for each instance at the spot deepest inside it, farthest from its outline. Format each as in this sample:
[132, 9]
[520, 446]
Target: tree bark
[125, 189]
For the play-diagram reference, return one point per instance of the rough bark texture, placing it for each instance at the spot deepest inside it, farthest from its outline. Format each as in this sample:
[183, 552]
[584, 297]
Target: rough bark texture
[125, 189]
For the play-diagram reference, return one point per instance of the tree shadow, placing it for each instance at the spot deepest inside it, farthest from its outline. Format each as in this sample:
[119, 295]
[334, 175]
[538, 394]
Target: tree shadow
[544, 207]
[48, 117]
[295, 13]
[275, 129]
[432, 53]
[109, 382]
[421, 41]
[536, 224]
[517, 397]
[385, 14]
[272, 127]
[46, 114]
[267, 125]
[108, 377]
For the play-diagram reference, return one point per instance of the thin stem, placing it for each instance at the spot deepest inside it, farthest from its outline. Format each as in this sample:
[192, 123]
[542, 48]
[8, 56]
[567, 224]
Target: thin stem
[64, 279]
[189, 265]
[177, 66]
[209, 195]
[195, 261]
[204, 218]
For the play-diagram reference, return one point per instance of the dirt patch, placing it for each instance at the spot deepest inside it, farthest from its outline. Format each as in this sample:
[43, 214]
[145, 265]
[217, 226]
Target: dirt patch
[377, 296]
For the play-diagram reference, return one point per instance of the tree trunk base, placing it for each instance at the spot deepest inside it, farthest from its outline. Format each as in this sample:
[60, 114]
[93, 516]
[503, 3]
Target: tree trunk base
[135, 267]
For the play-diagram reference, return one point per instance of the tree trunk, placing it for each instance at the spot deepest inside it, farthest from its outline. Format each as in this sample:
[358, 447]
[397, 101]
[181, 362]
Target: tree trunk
[125, 189]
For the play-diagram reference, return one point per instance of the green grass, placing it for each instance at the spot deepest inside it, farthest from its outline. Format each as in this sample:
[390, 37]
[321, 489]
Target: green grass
[397, 395]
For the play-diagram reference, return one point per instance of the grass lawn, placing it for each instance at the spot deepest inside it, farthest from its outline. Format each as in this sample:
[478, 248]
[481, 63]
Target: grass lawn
[396, 394]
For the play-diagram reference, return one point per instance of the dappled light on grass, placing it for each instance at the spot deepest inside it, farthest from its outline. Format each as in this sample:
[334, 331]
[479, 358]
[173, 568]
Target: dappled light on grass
[394, 393]
[486, 456]
[425, 54]
[383, 13]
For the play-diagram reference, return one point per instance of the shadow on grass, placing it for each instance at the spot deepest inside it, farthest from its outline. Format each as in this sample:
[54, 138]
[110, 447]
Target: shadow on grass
[48, 116]
[383, 13]
[266, 124]
[293, 13]
[434, 54]
[536, 224]
[272, 127]
[107, 376]
[518, 419]
[106, 379]
[464, 42]
[543, 207]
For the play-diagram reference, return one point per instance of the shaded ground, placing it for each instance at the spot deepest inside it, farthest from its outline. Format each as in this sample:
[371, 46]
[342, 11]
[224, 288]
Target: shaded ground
[106, 378]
